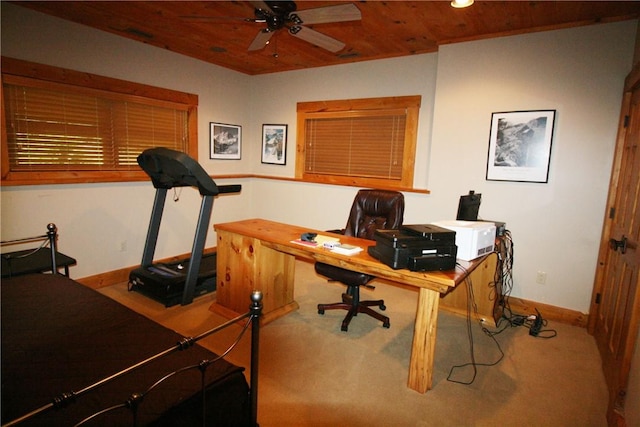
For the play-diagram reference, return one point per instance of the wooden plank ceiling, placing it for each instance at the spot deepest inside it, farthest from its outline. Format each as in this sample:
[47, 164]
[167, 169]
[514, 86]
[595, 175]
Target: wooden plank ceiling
[215, 31]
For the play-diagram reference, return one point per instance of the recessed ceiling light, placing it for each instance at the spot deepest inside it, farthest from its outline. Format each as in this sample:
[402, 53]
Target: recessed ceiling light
[461, 3]
[139, 33]
[349, 55]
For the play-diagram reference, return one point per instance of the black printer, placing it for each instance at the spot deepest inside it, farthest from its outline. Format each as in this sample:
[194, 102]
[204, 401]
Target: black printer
[421, 247]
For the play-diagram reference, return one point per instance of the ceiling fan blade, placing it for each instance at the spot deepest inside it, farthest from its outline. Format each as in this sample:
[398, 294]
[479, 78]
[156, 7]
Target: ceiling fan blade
[328, 14]
[316, 38]
[261, 40]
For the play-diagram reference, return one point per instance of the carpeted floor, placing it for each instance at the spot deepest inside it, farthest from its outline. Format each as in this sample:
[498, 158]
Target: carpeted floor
[312, 374]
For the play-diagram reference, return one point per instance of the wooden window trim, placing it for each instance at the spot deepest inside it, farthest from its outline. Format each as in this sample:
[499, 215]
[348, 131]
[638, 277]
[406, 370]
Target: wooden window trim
[15, 69]
[354, 107]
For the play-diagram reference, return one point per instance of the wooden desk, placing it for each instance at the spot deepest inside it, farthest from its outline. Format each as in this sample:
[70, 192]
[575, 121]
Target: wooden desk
[257, 254]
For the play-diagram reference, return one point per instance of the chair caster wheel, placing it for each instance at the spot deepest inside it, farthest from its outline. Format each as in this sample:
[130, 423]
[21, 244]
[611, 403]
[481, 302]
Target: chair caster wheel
[320, 311]
[383, 307]
[344, 328]
[386, 325]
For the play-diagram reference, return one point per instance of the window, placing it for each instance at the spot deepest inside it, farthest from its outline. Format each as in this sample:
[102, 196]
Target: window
[363, 142]
[86, 128]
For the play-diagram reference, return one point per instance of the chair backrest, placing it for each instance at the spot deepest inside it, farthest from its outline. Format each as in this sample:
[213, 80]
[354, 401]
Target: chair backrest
[373, 210]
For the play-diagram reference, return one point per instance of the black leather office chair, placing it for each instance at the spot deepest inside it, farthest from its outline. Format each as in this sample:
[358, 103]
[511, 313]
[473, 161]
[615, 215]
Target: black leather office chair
[371, 210]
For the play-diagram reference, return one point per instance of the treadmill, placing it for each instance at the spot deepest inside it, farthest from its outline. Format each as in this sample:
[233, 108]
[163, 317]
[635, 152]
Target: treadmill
[180, 281]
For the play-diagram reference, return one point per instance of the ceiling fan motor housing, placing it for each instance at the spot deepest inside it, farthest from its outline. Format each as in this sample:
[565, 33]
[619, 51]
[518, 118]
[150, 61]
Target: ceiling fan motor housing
[282, 8]
[276, 18]
[274, 22]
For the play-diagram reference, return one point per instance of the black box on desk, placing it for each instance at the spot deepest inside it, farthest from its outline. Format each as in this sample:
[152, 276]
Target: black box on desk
[401, 249]
[433, 233]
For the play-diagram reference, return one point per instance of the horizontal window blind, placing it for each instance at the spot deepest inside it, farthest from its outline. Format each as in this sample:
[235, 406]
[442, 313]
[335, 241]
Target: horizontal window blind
[367, 142]
[368, 145]
[62, 130]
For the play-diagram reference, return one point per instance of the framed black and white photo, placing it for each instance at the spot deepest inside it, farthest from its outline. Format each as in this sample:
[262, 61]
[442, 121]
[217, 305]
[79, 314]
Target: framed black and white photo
[226, 141]
[520, 146]
[274, 144]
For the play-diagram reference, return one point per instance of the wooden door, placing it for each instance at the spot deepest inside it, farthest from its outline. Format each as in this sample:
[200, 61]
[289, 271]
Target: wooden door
[615, 307]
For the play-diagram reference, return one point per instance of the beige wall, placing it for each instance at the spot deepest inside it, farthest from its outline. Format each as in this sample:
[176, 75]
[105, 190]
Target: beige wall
[556, 226]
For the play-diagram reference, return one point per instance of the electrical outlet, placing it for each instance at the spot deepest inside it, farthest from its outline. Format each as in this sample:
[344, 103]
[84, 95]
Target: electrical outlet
[541, 278]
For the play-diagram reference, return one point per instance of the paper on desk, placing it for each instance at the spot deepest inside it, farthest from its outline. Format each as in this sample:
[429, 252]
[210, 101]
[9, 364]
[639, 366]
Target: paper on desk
[305, 243]
[346, 249]
[321, 239]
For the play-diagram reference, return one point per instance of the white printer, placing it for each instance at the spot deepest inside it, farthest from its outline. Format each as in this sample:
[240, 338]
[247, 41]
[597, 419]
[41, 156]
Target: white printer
[473, 238]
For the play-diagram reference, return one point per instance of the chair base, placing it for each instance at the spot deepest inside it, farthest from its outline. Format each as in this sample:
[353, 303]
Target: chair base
[354, 308]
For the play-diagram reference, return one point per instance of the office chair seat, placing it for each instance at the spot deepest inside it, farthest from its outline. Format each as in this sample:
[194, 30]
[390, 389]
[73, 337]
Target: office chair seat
[371, 210]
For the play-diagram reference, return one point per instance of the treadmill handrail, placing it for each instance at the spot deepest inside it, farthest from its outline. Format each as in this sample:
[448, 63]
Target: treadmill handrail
[231, 188]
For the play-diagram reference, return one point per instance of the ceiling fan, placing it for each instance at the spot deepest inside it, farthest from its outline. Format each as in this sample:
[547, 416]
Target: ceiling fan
[280, 14]
[284, 14]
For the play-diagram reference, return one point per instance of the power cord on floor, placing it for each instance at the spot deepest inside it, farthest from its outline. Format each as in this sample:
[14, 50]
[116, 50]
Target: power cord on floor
[502, 284]
[472, 307]
[535, 324]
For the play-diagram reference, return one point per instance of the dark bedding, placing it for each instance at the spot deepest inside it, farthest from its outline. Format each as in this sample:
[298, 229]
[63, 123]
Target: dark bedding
[59, 336]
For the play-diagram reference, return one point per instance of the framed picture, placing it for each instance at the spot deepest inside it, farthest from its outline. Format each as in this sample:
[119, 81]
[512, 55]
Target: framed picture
[520, 146]
[274, 144]
[226, 141]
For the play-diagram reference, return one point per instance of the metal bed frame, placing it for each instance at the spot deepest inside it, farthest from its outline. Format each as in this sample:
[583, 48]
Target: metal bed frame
[36, 262]
[134, 400]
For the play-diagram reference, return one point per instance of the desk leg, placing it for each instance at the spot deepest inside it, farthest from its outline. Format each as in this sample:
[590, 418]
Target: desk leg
[424, 341]
[244, 266]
